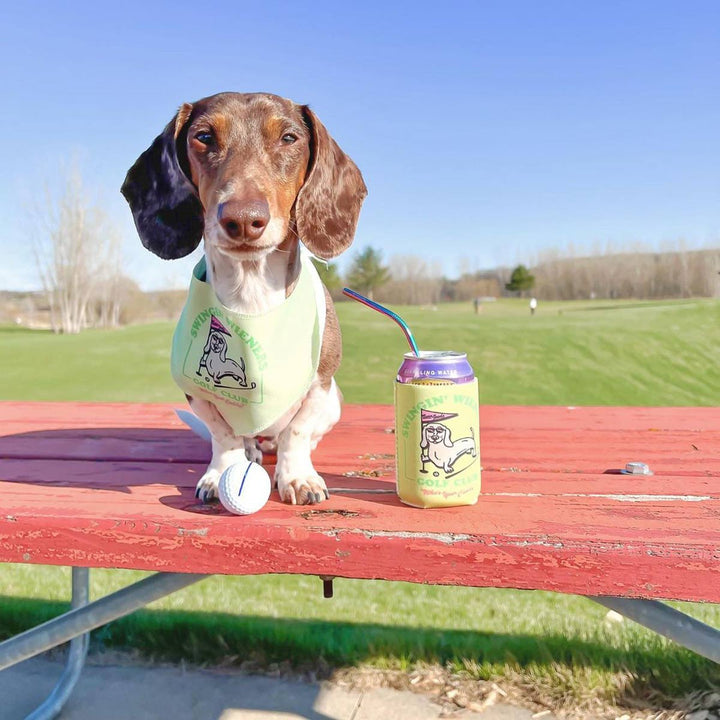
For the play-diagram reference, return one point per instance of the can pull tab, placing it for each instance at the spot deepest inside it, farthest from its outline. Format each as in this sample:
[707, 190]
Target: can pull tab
[327, 581]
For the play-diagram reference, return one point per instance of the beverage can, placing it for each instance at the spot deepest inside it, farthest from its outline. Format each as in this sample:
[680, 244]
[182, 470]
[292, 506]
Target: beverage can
[435, 367]
[437, 430]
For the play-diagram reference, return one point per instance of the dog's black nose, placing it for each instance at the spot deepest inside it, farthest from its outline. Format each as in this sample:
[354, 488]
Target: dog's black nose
[244, 221]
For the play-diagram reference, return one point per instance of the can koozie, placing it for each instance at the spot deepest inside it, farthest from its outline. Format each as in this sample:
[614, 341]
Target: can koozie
[437, 435]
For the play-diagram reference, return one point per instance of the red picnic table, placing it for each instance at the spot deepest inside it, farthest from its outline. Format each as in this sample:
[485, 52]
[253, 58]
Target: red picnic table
[112, 485]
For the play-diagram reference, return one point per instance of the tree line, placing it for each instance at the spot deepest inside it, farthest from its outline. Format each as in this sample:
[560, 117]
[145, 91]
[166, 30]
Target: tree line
[79, 262]
[408, 279]
[643, 275]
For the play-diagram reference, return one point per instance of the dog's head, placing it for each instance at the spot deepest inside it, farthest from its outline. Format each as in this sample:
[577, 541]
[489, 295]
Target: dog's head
[218, 345]
[247, 171]
[435, 434]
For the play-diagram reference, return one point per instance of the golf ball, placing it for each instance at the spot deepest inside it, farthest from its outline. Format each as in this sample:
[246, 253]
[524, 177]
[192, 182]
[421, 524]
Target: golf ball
[244, 488]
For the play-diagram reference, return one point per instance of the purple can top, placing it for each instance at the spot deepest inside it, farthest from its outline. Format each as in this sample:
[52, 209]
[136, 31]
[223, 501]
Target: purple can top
[433, 367]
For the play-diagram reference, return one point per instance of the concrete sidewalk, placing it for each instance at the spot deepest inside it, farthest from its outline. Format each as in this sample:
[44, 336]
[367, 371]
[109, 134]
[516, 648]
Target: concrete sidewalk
[119, 692]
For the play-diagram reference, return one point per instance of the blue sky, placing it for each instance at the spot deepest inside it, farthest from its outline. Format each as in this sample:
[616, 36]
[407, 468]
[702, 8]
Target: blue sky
[486, 131]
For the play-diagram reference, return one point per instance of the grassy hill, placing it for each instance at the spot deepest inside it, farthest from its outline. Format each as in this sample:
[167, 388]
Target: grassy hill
[650, 353]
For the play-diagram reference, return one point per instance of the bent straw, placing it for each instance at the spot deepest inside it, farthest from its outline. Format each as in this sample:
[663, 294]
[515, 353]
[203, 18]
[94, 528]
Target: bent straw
[394, 316]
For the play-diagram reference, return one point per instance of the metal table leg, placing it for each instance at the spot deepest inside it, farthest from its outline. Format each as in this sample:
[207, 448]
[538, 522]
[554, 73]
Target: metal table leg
[76, 654]
[665, 620]
[76, 624]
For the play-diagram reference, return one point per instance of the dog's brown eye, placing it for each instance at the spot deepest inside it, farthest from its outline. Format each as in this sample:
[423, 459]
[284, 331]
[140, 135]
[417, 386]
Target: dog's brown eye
[204, 137]
[288, 138]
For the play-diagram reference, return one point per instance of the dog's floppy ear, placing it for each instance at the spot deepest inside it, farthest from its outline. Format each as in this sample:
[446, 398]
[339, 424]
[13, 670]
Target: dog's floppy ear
[328, 204]
[164, 202]
[424, 442]
[447, 440]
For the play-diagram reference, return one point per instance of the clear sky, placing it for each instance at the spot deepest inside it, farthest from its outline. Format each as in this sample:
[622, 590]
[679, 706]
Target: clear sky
[486, 131]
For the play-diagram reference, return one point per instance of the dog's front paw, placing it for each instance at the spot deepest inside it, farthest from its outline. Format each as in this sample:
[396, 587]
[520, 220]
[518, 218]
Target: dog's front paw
[306, 491]
[207, 487]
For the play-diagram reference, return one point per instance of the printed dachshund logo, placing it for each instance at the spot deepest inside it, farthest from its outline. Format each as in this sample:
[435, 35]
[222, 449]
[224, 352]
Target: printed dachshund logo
[438, 447]
[215, 361]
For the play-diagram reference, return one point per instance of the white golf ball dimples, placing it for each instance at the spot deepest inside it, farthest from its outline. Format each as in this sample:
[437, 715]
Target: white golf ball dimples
[244, 488]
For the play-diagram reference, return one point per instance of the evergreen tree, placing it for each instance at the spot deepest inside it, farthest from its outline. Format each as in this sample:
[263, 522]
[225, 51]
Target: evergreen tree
[329, 274]
[520, 280]
[367, 272]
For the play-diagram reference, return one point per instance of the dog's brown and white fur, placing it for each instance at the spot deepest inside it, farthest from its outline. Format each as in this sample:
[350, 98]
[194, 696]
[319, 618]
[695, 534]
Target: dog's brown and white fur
[254, 174]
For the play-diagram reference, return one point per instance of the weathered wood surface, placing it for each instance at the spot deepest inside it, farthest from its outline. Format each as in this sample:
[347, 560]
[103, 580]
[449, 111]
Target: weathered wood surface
[112, 485]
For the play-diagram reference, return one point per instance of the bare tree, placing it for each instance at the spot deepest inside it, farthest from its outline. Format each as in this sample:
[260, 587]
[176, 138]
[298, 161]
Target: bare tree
[117, 301]
[413, 281]
[76, 254]
[114, 290]
[638, 273]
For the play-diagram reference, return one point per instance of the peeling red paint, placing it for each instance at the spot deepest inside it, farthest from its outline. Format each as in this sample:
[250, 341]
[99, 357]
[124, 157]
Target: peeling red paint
[113, 486]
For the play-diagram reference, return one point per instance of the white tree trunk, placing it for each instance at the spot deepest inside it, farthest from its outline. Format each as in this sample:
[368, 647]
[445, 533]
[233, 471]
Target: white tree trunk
[77, 255]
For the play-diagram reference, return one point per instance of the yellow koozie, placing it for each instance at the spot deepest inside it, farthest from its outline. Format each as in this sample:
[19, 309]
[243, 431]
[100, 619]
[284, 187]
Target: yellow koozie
[437, 434]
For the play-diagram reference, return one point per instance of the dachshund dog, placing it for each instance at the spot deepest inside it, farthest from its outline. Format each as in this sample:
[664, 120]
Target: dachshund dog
[254, 175]
[438, 447]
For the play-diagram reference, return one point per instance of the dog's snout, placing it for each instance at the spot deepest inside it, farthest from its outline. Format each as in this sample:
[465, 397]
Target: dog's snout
[245, 221]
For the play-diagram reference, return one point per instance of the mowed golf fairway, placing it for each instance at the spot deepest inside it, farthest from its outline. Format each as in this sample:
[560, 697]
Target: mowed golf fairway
[599, 353]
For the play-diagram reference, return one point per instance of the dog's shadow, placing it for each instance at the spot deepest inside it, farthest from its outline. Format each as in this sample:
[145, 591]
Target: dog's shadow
[114, 459]
[126, 459]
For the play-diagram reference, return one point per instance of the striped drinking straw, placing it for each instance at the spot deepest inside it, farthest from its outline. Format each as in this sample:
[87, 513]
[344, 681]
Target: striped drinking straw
[376, 306]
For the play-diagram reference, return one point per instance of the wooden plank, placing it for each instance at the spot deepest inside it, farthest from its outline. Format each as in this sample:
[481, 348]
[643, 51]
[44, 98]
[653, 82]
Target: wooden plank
[248, 546]
[37, 415]
[145, 516]
[126, 489]
[548, 470]
[124, 498]
[684, 452]
[599, 419]
[146, 444]
[493, 417]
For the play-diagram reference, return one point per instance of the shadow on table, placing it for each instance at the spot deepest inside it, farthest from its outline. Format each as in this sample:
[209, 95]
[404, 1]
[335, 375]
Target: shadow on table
[155, 445]
[122, 458]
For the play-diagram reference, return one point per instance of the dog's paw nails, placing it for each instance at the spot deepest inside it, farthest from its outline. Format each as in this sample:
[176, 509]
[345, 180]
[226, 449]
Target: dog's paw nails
[310, 491]
[207, 488]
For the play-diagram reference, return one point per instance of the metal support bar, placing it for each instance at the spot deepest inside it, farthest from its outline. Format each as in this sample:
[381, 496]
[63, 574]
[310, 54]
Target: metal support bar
[83, 619]
[665, 620]
[53, 704]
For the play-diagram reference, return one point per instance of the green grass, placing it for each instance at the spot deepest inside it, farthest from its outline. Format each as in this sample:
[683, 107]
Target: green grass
[489, 633]
[129, 364]
[654, 353]
[569, 353]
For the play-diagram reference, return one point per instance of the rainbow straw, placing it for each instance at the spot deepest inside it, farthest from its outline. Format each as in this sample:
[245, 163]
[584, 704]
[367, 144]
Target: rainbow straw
[376, 306]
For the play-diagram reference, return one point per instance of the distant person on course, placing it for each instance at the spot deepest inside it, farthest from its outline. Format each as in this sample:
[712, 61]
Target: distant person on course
[533, 305]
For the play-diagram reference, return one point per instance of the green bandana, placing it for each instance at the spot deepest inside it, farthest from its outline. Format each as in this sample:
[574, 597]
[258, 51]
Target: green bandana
[253, 368]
